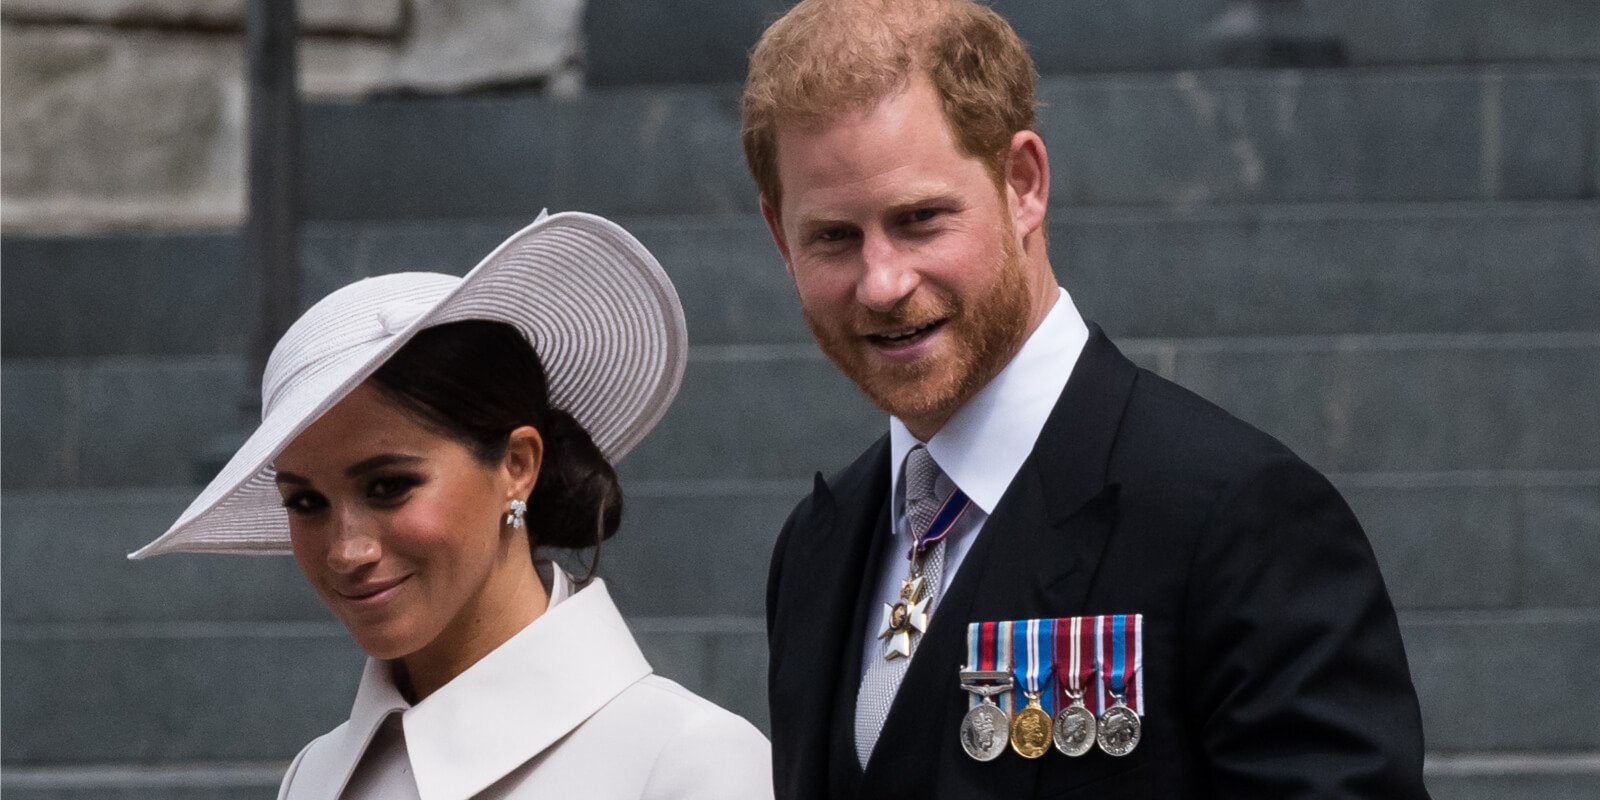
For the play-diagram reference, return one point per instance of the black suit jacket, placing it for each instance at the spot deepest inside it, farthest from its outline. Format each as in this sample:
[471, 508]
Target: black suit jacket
[1273, 665]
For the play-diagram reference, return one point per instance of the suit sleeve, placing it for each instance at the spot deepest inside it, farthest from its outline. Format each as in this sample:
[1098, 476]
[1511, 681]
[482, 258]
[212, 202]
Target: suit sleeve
[1296, 674]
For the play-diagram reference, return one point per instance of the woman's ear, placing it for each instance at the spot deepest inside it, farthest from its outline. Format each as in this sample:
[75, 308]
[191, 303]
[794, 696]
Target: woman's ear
[524, 456]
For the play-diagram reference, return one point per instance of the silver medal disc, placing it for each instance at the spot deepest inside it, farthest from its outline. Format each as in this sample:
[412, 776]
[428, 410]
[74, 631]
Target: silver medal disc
[1075, 730]
[1119, 730]
[985, 730]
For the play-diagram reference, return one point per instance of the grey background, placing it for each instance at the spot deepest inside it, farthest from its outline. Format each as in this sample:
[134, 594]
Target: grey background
[1394, 267]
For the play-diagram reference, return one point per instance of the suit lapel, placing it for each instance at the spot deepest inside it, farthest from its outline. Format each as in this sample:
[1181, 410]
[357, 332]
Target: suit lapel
[1035, 557]
[815, 636]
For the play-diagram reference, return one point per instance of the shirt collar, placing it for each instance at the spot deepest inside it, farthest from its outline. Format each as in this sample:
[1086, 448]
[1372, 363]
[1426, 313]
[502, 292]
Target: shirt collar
[528, 693]
[984, 443]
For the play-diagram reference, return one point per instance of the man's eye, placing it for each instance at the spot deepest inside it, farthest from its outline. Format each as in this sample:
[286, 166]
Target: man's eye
[924, 214]
[305, 503]
[832, 235]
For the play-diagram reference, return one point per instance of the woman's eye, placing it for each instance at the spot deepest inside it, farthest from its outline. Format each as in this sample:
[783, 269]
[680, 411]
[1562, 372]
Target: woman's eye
[305, 503]
[391, 488]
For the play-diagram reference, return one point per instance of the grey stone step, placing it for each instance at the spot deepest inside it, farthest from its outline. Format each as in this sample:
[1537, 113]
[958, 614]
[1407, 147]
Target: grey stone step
[706, 40]
[1558, 776]
[99, 791]
[96, 696]
[700, 549]
[1240, 271]
[1345, 403]
[1412, 134]
[1521, 780]
[255, 692]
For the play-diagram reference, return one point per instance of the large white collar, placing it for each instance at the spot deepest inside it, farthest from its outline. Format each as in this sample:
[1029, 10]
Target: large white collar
[524, 696]
[987, 439]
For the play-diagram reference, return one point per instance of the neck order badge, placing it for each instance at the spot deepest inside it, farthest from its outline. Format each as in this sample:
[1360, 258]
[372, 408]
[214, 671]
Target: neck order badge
[909, 615]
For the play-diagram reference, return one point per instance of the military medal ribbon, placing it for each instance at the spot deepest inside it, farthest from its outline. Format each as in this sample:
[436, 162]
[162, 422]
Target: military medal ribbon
[1033, 643]
[1119, 659]
[986, 728]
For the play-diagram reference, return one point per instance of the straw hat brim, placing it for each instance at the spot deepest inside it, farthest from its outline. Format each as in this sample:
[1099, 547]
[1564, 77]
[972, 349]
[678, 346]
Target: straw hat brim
[597, 307]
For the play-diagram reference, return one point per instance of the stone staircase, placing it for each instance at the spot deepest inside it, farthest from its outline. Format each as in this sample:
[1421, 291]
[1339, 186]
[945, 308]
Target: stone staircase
[1395, 268]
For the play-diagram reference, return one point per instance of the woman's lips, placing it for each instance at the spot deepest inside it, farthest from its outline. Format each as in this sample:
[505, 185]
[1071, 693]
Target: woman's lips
[372, 593]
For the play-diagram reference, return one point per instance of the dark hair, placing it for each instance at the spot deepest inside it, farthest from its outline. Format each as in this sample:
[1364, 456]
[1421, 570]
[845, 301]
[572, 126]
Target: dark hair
[476, 381]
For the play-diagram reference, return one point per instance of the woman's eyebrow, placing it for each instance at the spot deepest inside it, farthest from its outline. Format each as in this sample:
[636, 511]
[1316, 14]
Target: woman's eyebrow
[379, 462]
[289, 477]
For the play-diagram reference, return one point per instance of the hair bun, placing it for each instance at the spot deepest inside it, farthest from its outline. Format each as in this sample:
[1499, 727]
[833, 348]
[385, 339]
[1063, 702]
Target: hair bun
[576, 501]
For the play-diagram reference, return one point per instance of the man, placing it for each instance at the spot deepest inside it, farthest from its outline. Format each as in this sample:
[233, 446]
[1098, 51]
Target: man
[1046, 529]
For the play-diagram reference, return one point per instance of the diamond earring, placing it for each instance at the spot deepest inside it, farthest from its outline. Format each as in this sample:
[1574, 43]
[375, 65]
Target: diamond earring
[514, 517]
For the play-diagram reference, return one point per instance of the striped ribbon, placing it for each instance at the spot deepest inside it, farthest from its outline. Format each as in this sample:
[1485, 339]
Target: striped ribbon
[989, 650]
[1034, 651]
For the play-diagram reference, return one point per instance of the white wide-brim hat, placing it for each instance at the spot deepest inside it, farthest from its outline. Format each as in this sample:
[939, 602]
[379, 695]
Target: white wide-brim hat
[599, 311]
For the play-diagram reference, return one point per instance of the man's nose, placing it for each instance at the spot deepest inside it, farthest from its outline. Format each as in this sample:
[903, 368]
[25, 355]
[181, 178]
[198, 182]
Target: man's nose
[354, 545]
[888, 276]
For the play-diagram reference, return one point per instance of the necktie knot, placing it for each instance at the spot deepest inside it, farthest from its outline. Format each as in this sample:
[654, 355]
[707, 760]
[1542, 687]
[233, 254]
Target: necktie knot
[922, 490]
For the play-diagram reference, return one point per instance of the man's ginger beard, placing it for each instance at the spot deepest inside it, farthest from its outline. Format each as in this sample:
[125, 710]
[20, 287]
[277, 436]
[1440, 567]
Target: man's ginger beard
[985, 331]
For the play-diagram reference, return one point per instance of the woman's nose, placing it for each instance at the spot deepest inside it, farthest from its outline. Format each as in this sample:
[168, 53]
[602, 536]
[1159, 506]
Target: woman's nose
[353, 547]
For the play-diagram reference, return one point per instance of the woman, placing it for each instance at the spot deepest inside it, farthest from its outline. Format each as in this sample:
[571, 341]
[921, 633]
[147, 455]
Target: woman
[414, 449]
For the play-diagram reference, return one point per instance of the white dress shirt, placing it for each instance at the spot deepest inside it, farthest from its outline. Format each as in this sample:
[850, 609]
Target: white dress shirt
[567, 707]
[980, 449]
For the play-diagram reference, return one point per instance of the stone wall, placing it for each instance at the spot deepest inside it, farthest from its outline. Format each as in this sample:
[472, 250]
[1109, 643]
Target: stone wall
[130, 113]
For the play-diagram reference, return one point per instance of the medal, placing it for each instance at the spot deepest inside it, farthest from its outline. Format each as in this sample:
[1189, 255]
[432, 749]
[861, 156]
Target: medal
[1119, 727]
[1075, 726]
[985, 729]
[1119, 730]
[1030, 732]
[1031, 727]
[908, 616]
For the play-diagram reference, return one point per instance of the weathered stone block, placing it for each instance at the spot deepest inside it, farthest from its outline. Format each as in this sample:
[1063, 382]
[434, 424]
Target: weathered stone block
[1422, 407]
[696, 550]
[146, 421]
[1442, 547]
[65, 562]
[41, 444]
[366, 17]
[1456, 31]
[453, 46]
[1560, 554]
[1523, 783]
[101, 126]
[1199, 138]
[765, 417]
[246, 695]
[1531, 675]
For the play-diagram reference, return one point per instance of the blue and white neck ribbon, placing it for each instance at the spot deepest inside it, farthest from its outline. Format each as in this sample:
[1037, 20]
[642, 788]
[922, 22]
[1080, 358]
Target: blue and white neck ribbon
[955, 506]
[1033, 643]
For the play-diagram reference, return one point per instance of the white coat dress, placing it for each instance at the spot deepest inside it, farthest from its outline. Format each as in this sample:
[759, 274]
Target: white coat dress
[566, 708]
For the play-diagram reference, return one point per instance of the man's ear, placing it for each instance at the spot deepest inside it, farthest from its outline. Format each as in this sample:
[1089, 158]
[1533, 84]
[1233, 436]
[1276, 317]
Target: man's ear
[775, 224]
[1027, 182]
[523, 459]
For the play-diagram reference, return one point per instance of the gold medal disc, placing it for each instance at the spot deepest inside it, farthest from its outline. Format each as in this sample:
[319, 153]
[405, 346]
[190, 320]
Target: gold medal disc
[1030, 730]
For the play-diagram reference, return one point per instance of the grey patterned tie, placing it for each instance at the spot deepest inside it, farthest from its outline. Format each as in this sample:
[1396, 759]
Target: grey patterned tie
[926, 490]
